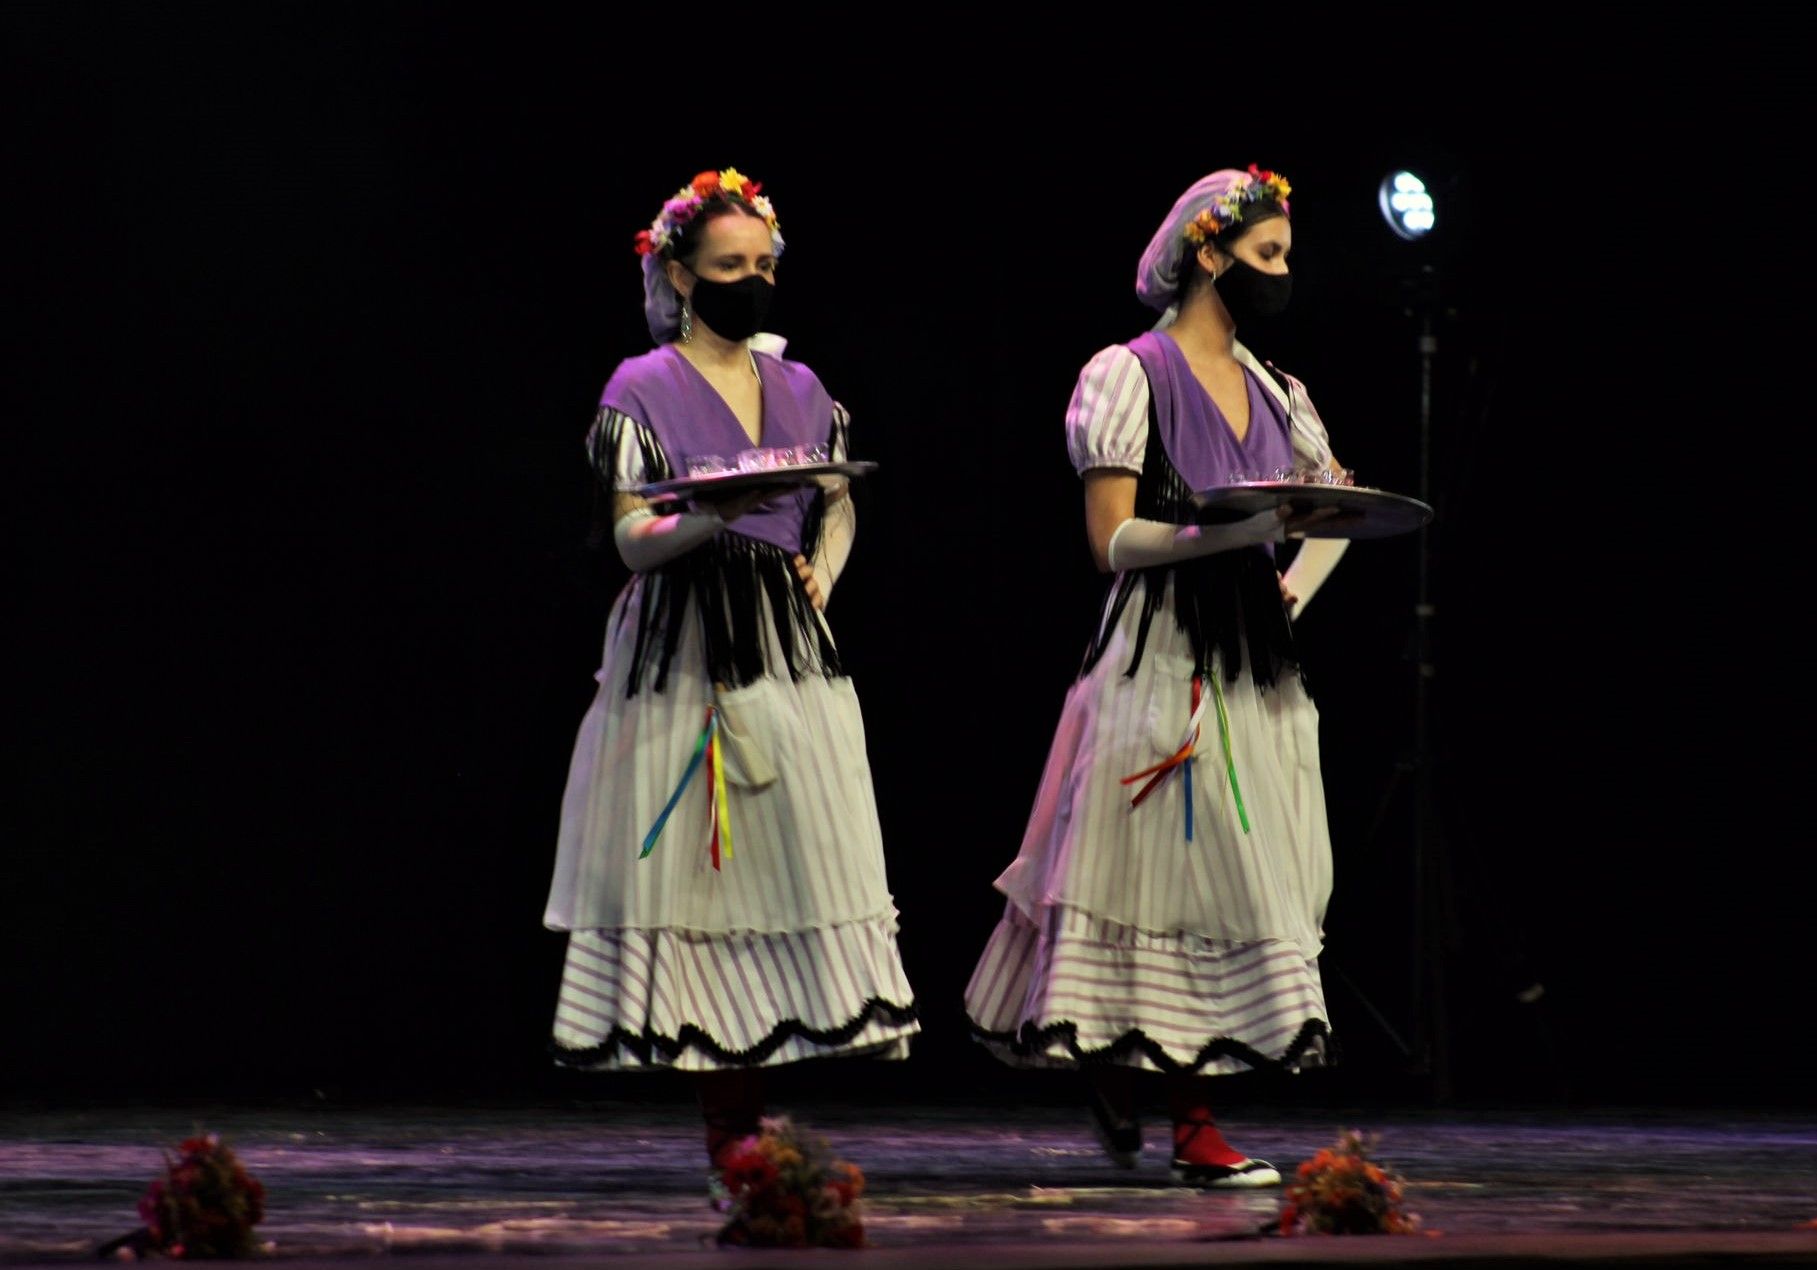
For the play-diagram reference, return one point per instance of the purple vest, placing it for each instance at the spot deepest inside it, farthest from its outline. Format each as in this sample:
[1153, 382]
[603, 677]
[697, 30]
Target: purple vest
[663, 391]
[1194, 431]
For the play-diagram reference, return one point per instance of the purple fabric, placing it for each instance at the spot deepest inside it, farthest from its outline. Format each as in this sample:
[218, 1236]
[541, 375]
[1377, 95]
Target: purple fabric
[663, 391]
[662, 306]
[1158, 273]
[1194, 431]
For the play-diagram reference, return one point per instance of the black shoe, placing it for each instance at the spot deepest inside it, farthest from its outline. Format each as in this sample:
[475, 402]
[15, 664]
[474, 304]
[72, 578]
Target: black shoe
[1249, 1173]
[1120, 1138]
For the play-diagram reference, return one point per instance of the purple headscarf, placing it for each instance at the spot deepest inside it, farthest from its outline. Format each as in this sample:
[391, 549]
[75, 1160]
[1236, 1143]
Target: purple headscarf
[1158, 276]
[662, 303]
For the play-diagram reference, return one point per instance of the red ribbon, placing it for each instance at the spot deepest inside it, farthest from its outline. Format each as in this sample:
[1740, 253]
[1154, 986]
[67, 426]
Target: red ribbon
[1159, 771]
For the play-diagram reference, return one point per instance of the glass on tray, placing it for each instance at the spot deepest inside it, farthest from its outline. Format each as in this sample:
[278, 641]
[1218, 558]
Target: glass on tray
[709, 465]
[758, 459]
[1285, 475]
[769, 458]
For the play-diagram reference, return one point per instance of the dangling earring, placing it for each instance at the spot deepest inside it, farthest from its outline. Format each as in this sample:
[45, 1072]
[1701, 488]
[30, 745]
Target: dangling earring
[687, 322]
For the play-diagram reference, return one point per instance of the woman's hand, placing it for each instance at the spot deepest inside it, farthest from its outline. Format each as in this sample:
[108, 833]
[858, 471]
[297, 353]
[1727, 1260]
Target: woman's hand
[1288, 598]
[805, 572]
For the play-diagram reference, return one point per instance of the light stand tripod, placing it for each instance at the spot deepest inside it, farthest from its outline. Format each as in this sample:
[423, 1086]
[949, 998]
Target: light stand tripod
[1447, 884]
[1427, 1049]
[1431, 874]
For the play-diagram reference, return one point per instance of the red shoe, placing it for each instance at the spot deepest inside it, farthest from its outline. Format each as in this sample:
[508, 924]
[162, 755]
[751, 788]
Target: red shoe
[1213, 1177]
[1218, 1167]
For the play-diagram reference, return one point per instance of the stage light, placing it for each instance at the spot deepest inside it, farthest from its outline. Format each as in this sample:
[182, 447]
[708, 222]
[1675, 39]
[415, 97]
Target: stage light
[1407, 205]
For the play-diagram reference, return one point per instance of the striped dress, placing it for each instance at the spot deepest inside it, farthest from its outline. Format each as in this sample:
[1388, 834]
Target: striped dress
[1123, 939]
[785, 948]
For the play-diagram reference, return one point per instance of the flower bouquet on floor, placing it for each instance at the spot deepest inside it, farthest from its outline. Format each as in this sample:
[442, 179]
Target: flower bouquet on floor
[1343, 1191]
[785, 1188]
[204, 1206]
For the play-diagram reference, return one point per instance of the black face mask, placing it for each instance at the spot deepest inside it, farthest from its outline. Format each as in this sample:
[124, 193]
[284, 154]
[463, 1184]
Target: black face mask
[1249, 294]
[734, 310]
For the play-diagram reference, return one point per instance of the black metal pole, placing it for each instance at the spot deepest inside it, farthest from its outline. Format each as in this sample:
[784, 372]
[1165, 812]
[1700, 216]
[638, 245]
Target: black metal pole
[1426, 1049]
[1430, 881]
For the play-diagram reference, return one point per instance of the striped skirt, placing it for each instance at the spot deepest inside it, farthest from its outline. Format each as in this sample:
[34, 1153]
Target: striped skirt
[1087, 990]
[757, 927]
[693, 1002]
[1180, 930]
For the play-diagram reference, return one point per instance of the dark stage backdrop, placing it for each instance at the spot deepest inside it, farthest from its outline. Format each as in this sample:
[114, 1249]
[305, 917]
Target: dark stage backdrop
[308, 314]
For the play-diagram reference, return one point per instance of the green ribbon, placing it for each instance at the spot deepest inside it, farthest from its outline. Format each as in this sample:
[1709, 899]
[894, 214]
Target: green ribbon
[1230, 761]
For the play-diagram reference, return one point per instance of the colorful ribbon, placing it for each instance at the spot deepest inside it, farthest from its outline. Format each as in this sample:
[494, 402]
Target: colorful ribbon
[708, 753]
[1230, 758]
[719, 814]
[1182, 758]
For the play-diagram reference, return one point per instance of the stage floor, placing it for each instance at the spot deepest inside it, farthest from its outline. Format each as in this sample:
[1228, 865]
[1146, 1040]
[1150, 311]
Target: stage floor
[949, 1186]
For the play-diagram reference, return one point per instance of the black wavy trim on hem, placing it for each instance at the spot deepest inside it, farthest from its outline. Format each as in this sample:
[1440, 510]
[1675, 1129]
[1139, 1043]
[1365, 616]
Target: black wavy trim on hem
[1031, 1040]
[644, 1045]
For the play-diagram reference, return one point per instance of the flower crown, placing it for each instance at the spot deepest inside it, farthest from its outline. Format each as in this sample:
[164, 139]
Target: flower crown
[690, 198]
[1260, 186]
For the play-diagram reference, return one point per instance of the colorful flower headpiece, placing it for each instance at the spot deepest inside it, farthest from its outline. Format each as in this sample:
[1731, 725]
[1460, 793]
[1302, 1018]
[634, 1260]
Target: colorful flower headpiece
[690, 198]
[1260, 186]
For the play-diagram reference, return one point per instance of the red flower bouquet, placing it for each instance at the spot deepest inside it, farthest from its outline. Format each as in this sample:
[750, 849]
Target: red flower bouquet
[204, 1206]
[1343, 1191]
[784, 1188]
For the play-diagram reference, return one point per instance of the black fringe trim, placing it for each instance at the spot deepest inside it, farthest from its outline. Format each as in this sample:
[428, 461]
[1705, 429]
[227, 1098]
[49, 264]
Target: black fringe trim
[723, 579]
[603, 441]
[721, 583]
[646, 1044]
[1031, 1040]
[1229, 602]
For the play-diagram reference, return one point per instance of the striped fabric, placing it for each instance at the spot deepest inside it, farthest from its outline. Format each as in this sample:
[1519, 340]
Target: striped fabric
[1182, 933]
[787, 950]
[1107, 419]
[1090, 990]
[692, 1002]
[808, 847]
[1085, 845]
[807, 843]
